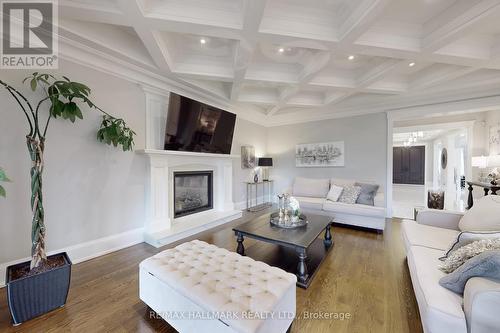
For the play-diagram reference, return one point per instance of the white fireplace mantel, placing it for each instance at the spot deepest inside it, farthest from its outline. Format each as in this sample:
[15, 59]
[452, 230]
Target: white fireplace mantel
[161, 227]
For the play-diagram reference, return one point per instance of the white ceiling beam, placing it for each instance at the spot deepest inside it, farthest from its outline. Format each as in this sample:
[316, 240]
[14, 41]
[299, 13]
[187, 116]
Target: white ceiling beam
[375, 74]
[151, 39]
[313, 66]
[92, 13]
[254, 10]
[360, 20]
[439, 76]
[379, 72]
[455, 22]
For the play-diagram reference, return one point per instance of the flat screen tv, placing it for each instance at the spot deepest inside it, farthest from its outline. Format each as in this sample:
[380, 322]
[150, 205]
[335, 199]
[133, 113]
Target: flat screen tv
[198, 127]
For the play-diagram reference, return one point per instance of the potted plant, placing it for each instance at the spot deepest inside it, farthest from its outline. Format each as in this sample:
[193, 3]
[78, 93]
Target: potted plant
[41, 285]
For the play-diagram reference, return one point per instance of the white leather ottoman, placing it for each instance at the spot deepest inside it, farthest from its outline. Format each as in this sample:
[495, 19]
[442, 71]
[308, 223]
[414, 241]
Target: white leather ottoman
[198, 287]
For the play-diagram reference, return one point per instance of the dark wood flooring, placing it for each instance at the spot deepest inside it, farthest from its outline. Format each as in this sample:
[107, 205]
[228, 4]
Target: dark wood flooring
[364, 278]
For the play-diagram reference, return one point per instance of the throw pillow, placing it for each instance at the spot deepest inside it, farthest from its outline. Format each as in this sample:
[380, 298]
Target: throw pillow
[458, 257]
[368, 193]
[334, 193]
[350, 194]
[483, 216]
[486, 264]
[468, 237]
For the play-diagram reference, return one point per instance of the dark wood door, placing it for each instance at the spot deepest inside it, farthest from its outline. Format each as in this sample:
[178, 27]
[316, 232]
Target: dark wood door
[409, 165]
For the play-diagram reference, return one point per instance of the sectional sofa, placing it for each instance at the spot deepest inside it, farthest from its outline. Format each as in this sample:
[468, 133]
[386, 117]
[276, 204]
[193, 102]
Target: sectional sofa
[312, 193]
[442, 310]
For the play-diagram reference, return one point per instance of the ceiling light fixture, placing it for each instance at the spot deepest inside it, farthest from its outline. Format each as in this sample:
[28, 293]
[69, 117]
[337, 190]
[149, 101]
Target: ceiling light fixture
[203, 41]
[351, 57]
[411, 64]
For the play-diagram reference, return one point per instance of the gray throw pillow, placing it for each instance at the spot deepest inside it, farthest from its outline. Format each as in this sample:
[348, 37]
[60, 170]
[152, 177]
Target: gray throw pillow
[467, 237]
[486, 264]
[350, 194]
[368, 193]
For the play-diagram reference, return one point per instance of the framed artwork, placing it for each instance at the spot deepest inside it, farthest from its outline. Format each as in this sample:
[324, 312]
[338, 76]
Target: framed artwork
[247, 157]
[325, 154]
[494, 140]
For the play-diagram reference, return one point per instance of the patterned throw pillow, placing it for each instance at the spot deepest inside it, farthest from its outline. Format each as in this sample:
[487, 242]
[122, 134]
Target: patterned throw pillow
[467, 237]
[350, 194]
[460, 256]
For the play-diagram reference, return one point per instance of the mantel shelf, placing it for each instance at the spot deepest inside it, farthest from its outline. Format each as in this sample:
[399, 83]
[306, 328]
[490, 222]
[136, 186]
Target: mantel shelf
[182, 153]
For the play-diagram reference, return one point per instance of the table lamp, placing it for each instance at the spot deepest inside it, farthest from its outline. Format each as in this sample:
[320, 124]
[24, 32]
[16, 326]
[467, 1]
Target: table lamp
[265, 163]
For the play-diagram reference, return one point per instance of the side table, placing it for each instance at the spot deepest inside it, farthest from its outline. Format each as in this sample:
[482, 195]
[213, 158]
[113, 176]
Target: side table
[254, 187]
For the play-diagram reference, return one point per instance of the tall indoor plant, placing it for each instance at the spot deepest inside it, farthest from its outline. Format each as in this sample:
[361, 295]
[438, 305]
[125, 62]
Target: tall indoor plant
[62, 98]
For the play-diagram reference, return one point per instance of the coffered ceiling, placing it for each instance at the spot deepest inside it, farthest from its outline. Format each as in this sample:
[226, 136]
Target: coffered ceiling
[277, 60]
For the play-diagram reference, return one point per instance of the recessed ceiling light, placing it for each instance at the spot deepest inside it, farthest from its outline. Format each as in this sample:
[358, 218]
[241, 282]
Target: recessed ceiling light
[411, 64]
[281, 50]
[203, 41]
[351, 57]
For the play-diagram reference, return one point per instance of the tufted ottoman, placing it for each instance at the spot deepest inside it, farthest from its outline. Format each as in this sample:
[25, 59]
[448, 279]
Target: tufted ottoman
[198, 287]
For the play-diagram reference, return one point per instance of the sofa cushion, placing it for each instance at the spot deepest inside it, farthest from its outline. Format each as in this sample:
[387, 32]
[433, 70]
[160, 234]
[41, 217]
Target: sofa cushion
[350, 194]
[368, 193]
[467, 237]
[483, 216]
[465, 253]
[353, 209]
[309, 187]
[310, 203]
[334, 193]
[342, 182]
[486, 264]
[440, 308]
[415, 234]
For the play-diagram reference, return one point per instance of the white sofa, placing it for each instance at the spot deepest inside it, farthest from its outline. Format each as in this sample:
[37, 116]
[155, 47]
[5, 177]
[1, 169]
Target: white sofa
[441, 310]
[311, 194]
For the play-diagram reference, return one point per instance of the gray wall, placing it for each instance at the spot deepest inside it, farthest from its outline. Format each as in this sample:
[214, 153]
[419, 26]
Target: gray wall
[246, 134]
[365, 139]
[91, 190]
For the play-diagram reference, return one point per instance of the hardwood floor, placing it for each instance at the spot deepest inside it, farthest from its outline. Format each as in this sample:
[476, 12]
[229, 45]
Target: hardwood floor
[364, 277]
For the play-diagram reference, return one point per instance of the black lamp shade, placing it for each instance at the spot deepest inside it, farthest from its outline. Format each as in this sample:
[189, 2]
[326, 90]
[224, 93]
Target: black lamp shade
[265, 162]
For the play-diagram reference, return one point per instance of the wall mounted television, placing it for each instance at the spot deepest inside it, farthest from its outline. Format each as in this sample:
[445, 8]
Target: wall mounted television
[197, 127]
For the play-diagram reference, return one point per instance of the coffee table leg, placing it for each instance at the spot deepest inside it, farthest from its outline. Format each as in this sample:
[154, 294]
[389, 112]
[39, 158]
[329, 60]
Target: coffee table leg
[301, 266]
[240, 249]
[328, 236]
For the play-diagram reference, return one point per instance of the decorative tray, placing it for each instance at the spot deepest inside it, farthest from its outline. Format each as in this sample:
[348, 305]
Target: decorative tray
[274, 220]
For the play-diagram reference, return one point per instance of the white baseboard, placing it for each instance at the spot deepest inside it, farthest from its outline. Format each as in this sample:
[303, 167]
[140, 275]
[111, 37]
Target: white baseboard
[89, 250]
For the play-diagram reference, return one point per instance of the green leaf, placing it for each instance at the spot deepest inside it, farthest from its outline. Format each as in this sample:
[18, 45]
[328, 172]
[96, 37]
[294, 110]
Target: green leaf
[78, 112]
[2, 192]
[33, 84]
[3, 176]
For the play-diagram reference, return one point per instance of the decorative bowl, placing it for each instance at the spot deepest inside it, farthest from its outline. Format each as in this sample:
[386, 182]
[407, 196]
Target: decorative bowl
[301, 222]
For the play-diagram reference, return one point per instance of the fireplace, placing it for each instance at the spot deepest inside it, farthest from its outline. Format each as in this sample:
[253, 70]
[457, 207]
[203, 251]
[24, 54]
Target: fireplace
[193, 192]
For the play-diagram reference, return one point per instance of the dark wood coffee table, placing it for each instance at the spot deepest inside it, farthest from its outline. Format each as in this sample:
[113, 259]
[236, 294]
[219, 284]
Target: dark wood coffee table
[309, 250]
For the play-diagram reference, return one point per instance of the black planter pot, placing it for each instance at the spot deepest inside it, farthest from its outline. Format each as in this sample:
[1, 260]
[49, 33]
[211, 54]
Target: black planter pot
[32, 296]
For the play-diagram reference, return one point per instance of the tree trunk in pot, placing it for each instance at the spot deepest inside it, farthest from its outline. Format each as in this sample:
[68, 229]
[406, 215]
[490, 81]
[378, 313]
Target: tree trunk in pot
[36, 148]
